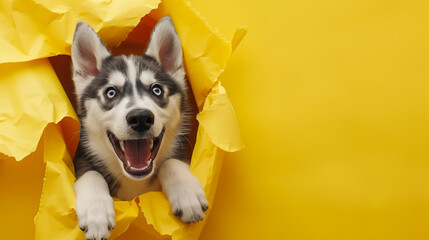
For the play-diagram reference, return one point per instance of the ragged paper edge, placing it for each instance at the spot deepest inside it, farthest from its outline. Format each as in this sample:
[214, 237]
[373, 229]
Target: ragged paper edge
[40, 74]
[238, 36]
[59, 164]
[63, 43]
[217, 89]
[219, 120]
[152, 4]
[56, 147]
[34, 147]
[182, 232]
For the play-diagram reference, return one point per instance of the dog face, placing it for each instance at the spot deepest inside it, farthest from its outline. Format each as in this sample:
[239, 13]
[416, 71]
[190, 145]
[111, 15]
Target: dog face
[130, 106]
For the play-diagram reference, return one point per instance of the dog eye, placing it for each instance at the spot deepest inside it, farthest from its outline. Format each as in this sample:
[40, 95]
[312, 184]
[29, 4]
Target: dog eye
[157, 90]
[110, 92]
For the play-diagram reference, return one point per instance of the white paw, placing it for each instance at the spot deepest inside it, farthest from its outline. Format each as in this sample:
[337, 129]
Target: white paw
[96, 216]
[188, 200]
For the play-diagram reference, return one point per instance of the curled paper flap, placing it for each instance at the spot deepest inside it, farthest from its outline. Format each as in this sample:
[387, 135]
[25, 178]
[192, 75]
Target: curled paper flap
[31, 98]
[57, 218]
[43, 28]
[219, 121]
[31, 107]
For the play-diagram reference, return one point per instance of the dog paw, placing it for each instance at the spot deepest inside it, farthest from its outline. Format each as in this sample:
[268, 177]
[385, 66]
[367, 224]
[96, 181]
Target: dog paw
[188, 201]
[96, 217]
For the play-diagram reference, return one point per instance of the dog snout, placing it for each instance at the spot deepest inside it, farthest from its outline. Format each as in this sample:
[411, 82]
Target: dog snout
[140, 120]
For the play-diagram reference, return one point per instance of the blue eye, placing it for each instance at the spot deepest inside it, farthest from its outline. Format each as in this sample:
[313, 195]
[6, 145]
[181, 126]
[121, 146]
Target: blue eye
[157, 90]
[110, 92]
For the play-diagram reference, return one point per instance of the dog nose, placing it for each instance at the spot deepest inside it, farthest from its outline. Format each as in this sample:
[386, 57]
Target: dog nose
[140, 120]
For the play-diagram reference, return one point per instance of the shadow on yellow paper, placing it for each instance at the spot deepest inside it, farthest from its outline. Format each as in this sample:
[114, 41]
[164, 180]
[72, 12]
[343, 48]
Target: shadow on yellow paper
[36, 110]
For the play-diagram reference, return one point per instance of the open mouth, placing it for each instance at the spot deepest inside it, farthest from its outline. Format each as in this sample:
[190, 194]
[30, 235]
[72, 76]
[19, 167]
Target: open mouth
[137, 155]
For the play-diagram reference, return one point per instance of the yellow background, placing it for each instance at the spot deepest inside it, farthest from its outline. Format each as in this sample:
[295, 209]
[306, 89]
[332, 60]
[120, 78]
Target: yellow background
[332, 98]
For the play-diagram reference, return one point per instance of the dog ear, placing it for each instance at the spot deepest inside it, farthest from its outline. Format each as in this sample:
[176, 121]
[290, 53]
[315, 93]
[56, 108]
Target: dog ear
[165, 46]
[88, 51]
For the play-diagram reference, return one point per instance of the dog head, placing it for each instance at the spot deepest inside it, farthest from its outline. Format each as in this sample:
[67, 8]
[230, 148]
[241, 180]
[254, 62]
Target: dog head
[130, 106]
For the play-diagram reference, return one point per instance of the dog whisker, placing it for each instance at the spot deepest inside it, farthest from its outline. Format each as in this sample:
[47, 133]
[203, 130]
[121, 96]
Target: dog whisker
[190, 145]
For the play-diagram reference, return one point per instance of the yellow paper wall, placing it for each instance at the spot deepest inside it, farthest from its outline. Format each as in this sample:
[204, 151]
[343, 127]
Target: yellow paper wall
[34, 103]
[332, 98]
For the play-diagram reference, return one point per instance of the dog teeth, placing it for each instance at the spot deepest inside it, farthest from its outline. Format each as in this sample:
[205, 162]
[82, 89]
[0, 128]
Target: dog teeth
[140, 169]
[151, 144]
[122, 143]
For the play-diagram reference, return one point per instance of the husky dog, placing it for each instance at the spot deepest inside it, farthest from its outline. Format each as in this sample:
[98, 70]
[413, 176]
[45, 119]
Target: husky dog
[133, 113]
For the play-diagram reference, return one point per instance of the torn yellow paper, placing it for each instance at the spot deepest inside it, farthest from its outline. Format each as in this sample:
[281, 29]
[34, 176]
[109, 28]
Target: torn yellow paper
[57, 218]
[206, 51]
[57, 200]
[218, 120]
[239, 34]
[205, 165]
[31, 98]
[42, 28]
[34, 99]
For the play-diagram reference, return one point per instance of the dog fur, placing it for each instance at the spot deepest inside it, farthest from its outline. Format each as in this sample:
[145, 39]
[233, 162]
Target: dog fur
[127, 106]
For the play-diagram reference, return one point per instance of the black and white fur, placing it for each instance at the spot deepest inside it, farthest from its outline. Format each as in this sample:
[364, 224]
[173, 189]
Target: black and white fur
[104, 113]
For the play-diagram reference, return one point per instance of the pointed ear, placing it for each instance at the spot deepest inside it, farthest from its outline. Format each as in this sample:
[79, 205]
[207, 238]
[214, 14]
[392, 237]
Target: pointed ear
[88, 51]
[165, 46]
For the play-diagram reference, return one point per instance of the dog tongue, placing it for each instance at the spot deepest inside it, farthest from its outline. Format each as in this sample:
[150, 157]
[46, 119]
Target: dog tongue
[138, 152]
